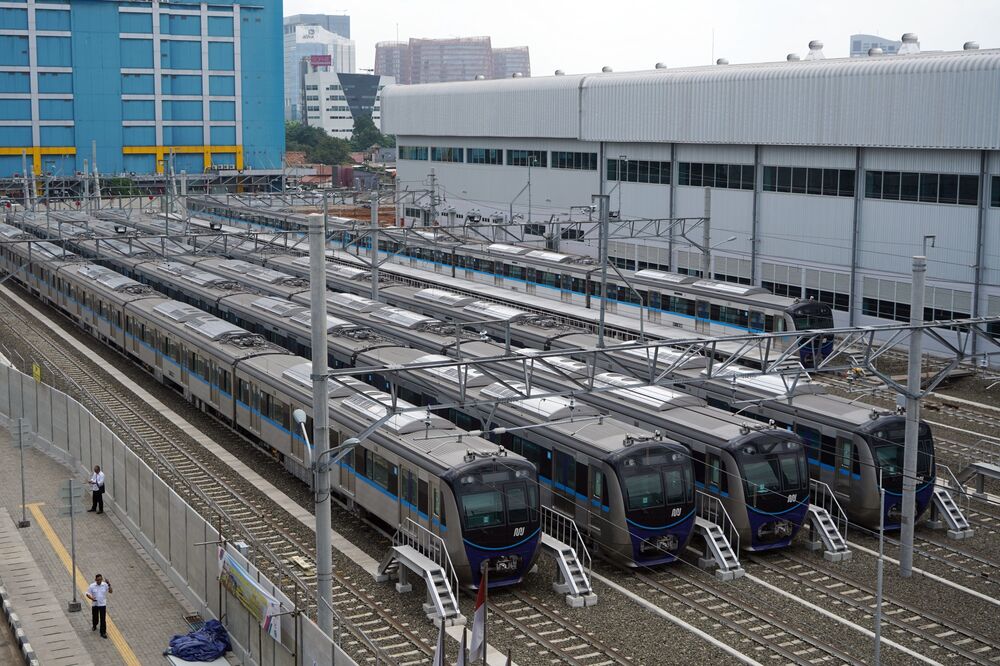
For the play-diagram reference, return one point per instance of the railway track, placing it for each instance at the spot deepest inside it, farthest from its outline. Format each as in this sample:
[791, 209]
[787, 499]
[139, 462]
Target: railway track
[536, 623]
[940, 639]
[752, 631]
[278, 544]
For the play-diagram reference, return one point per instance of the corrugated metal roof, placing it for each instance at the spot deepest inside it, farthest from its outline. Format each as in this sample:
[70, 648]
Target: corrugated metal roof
[928, 100]
[524, 107]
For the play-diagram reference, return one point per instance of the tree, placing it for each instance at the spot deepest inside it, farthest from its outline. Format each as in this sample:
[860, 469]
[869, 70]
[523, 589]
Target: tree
[367, 135]
[319, 147]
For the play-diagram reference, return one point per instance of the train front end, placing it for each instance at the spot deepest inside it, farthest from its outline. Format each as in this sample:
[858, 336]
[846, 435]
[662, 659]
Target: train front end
[811, 315]
[658, 490]
[497, 500]
[775, 486]
[886, 437]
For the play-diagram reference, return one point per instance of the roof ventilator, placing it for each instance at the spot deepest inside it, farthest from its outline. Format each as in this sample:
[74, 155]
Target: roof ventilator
[815, 50]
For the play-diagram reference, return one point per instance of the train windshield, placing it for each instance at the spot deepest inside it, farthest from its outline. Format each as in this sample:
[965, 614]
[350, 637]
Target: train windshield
[811, 315]
[771, 465]
[888, 446]
[495, 498]
[655, 477]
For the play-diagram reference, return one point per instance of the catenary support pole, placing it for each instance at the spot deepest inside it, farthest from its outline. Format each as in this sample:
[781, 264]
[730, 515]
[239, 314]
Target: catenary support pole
[706, 240]
[375, 234]
[602, 202]
[877, 661]
[912, 418]
[321, 423]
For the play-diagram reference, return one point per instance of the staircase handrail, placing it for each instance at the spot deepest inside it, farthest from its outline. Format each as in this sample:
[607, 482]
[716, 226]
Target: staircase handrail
[562, 528]
[711, 509]
[956, 488]
[821, 495]
[428, 544]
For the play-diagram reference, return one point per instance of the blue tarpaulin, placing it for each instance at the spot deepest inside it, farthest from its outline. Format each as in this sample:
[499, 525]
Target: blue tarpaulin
[206, 644]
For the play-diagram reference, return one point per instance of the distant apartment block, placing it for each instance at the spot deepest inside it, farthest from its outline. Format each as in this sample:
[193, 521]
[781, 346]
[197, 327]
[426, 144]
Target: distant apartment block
[443, 60]
[861, 43]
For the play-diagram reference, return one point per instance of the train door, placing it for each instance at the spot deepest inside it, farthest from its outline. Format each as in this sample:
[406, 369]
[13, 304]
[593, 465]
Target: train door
[756, 320]
[255, 410]
[347, 476]
[845, 458]
[214, 382]
[703, 314]
[407, 495]
[564, 482]
[713, 474]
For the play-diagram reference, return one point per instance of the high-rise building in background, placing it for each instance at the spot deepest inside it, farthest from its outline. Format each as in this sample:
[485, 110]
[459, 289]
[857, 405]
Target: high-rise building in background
[336, 23]
[456, 59]
[861, 43]
[392, 59]
[334, 100]
[141, 82]
[303, 40]
[510, 61]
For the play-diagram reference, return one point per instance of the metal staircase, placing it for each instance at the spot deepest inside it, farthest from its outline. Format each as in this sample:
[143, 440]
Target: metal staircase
[562, 541]
[416, 549]
[827, 523]
[722, 541]
[945, 512]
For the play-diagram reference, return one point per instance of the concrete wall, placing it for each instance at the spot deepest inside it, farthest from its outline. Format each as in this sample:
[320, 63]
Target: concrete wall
[166, 526]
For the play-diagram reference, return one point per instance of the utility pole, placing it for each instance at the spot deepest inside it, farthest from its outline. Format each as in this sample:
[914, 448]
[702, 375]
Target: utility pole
[433, 211]
[97, 175]
[375, 234]
[706, 230]
[321, 423]
[877, 661]
[912, 417]
[602, 201]
[24, 172]
[86, 185]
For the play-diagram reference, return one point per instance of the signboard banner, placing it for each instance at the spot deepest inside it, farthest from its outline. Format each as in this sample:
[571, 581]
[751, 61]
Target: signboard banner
[254, 598]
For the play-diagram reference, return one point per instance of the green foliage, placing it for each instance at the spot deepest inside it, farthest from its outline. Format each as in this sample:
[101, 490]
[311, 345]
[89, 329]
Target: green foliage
[319, 147]
[367, 135]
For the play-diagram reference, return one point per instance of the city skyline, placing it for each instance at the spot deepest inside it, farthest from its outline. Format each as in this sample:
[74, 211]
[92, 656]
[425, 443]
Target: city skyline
[743, 32]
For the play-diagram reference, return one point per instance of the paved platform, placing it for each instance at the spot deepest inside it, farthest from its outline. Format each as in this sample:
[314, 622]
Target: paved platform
[143, 611]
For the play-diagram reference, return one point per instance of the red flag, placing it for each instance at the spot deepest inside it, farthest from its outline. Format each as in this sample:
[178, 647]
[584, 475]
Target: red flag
[477, 646]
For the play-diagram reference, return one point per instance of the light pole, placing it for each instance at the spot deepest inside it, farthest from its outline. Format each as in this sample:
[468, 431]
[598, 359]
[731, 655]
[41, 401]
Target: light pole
[532, 161]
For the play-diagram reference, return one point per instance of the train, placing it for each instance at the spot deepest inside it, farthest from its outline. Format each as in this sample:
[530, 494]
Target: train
[849, 444]
[478, 497]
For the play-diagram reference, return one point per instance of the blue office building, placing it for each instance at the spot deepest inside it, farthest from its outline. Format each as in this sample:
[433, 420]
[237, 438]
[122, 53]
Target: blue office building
[197, 82]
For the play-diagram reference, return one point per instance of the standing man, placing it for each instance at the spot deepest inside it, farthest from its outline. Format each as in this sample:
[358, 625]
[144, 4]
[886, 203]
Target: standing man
[97, 487]
[98, 594]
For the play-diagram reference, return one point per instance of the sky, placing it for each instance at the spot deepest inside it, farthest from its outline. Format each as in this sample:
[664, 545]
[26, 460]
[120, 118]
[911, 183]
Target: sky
[585, 35]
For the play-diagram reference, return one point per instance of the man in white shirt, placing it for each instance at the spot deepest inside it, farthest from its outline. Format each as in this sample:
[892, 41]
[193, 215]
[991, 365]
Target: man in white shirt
[98, 594]
[97, 487]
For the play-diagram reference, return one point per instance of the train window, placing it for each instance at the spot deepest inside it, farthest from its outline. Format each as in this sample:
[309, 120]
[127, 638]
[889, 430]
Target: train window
[716, 473]
[244, 392]
[581, 478]
[422, 496]
[564, 471]
[436, 495]
[517, 504]
[597, 484]
[409, 489]
[845, 448]
[392, 482]
[278, 412]
[676, 487]
[224, 381]
[362, 458]
[644, 490]
[812, 439]
[483, 509]
[828, 451]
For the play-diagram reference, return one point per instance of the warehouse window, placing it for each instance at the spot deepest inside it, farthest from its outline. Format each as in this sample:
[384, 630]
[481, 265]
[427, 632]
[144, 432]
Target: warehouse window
[579, 161]
[809, 180]
[941, 188]
[995, 194]
[412, 153]
[447, 154]
[888, 299]
[536, 158]
[829, 287]
[485, 156]
[726, 176]
[639, 171]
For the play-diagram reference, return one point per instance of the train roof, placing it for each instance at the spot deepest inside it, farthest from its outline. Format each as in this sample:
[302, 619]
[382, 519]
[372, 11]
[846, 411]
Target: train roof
[282, 309]
[109, 279]
[208, 332]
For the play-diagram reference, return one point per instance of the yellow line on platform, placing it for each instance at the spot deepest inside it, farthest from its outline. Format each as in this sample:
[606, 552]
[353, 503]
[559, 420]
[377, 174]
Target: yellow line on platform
[81, 583]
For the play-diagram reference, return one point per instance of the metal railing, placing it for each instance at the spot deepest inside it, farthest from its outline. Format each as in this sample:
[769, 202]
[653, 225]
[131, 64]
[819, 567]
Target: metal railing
[821, 495]
[428, 544]
[562, 528]
[711, 509]
[954, 488]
